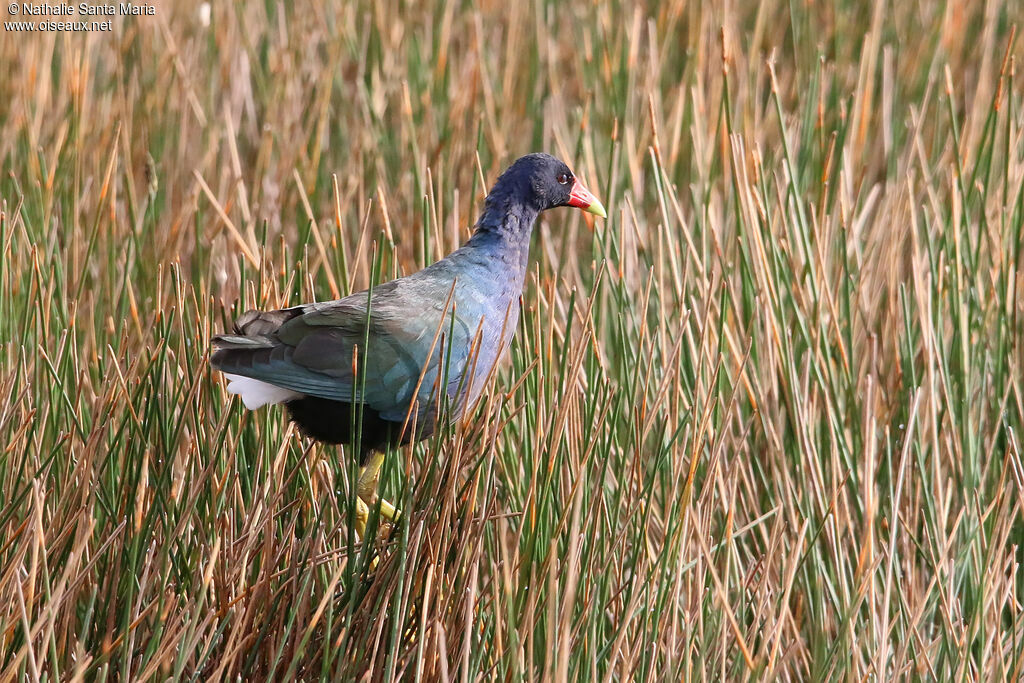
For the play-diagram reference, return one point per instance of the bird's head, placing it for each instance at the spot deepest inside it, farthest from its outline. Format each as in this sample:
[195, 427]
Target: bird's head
[544, 182]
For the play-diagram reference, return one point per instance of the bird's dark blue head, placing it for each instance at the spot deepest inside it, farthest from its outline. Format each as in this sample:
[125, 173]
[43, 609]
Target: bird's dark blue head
[544, 182]
[534, 183]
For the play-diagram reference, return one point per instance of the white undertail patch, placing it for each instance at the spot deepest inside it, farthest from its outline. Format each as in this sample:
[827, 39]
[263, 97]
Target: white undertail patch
[256, 394]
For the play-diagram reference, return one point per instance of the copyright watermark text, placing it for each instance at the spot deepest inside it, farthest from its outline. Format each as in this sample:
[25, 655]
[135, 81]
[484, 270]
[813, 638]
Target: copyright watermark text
[85, 16]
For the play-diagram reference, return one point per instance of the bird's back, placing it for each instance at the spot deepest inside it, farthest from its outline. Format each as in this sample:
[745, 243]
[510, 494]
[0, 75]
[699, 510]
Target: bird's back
[402, 345]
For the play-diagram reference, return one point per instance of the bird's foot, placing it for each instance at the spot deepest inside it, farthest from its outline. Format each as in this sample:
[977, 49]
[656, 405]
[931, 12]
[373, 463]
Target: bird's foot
[388, 513]
[366, 499]
[366, 488]
[362, 516]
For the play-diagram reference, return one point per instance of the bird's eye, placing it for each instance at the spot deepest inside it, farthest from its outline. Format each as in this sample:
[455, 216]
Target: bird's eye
[563, 178]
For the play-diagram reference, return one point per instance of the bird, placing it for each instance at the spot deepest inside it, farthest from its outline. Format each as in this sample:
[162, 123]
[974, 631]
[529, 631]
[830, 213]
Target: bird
[382, 367]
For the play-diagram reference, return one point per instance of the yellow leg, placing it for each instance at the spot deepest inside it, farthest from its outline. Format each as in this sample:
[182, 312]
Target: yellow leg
[366, 491]
[362, 514]
[369, 475]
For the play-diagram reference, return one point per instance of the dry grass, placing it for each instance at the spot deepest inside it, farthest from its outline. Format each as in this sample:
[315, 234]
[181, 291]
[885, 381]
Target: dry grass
[764, 422]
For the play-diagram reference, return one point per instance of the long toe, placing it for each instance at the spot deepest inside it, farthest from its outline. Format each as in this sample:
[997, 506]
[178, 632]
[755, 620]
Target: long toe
[388, 510]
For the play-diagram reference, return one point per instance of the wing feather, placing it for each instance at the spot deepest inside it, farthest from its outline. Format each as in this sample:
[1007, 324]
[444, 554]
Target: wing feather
[320, 349]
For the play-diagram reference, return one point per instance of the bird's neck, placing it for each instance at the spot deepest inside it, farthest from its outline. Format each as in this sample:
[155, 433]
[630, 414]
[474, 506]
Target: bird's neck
[504, 229]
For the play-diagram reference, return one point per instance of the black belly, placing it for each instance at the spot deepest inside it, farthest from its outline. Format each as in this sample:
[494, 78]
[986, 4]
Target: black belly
[332, 422]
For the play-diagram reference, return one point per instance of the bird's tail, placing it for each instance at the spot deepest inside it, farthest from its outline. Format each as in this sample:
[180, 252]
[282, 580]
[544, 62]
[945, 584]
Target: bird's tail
[255, 330]
[252, 323]
[235, 342]
[253, 345]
